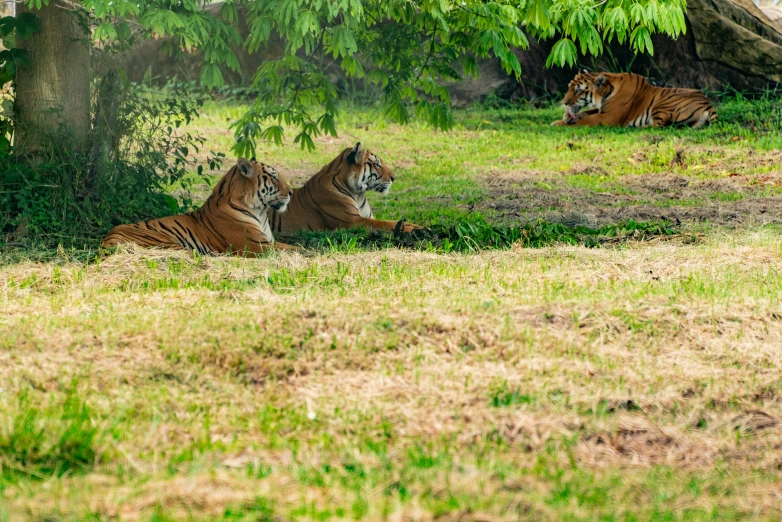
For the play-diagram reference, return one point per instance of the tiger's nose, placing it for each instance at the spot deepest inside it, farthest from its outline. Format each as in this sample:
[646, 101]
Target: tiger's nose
[392, 177]
[290, 193]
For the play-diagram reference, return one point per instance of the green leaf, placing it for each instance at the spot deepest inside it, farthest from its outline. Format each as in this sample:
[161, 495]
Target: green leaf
[27, 24]
[171, 203]
[564, 52]
[243, 148]
[273, 133]
[5, 77]
[123, 31]
[540, 16]
[470, 67]
[327, 125]
[20, 57]
[641, 40]
[637, 13]
[211, 76]
[305, 141]
[104, 31]
[9, 68]
[7, 25]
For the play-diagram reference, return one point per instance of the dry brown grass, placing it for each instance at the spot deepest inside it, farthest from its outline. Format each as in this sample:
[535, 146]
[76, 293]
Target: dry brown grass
[502, 368]
[639, 381]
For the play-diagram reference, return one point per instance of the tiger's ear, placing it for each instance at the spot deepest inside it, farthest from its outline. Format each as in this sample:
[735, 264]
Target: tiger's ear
[585, 71]
[600, 80]
[245, 167]
[357, 154]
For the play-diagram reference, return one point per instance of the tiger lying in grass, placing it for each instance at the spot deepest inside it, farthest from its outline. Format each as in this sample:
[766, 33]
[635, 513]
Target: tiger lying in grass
[336, 197]
[627, 100]
[233, 219]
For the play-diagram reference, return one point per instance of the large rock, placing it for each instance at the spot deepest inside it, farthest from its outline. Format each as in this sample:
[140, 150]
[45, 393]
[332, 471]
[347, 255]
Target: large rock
[727, 43]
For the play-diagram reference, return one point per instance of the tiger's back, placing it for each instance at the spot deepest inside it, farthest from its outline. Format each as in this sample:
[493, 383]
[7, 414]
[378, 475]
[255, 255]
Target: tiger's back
[677, 107]
[321, 204]
[196, 231]
[336, 196]
[233, 219]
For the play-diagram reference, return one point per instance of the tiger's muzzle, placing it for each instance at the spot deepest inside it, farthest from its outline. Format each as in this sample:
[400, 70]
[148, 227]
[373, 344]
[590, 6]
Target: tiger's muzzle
[281, 204]
[383, 187]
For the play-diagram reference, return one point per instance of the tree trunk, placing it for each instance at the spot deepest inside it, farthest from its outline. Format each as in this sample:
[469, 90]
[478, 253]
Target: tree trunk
[53, 93]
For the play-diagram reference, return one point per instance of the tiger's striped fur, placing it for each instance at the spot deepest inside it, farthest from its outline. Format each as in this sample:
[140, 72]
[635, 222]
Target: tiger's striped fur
[232, 220]
[627, 100]
[336, 197]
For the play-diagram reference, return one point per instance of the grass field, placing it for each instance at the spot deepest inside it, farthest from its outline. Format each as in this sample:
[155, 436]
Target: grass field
[636, 381]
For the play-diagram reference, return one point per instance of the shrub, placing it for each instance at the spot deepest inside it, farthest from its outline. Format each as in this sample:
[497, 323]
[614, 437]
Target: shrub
[73, 197]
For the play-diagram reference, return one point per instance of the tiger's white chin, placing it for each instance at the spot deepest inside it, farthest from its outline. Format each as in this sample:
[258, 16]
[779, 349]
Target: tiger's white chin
[280, 206]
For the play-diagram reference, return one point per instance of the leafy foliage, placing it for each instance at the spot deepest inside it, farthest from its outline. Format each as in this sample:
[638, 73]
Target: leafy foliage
[407, 48]
[72, 197]
[11, 58]
[137, 154]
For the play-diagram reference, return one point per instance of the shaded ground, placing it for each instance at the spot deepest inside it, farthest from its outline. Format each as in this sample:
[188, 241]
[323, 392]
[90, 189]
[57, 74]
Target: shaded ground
[589, 195]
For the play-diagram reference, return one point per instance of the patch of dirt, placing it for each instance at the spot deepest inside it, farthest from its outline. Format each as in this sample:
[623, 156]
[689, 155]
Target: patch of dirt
[731, 201]
[296, 177]
[638, 441]
[755, 421]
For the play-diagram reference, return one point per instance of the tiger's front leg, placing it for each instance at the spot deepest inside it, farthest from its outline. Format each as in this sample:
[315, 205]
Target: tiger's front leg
[289, 248]
[660, 121]
[594, 120]
[579, 115]
[380, 224]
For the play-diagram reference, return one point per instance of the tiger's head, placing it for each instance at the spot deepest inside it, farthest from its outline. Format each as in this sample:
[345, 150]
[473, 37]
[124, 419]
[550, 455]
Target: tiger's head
[366, 171]
[259, 186]
[586, 91]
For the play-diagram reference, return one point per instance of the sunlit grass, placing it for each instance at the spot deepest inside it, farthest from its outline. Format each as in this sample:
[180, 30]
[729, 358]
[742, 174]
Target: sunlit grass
[443, 178]
[633, 381]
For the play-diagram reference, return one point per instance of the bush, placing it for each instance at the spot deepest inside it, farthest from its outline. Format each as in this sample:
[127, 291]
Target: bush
[74, 197]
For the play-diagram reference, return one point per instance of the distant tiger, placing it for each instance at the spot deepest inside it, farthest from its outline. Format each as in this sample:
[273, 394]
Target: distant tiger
[627, 100]
[336, 197]
[233, 219]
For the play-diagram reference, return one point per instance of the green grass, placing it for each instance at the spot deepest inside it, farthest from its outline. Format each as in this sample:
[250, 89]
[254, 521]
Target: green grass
[475, 234]
[40, 441]
[625, 368]
[507, 165]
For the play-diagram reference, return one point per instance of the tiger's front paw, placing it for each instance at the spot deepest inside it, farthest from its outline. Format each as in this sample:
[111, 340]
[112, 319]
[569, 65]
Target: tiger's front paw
[558, 122]
[403, 227]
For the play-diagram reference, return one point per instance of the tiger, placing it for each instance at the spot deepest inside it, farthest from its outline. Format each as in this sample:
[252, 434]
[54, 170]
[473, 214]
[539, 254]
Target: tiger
[627, 100]
[336, 196]
[232, 220]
